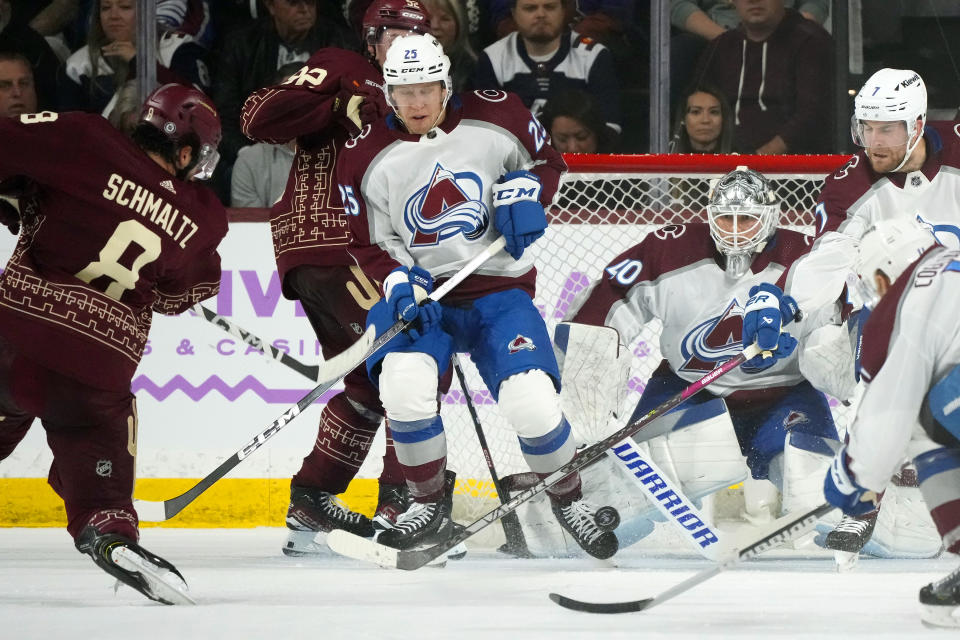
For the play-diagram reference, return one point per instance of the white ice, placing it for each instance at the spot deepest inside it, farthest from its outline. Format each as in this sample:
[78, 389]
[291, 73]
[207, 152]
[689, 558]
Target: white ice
[246, 588]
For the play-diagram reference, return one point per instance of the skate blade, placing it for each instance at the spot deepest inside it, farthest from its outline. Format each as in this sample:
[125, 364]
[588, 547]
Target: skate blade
[939, 617]
[306, 544]
[845, 560]
[164, 585]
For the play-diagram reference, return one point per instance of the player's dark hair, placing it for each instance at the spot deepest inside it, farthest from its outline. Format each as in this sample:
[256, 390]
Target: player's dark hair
[152, 140]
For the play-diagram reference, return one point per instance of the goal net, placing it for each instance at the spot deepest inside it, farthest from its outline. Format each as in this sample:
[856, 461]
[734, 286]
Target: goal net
[606, 204]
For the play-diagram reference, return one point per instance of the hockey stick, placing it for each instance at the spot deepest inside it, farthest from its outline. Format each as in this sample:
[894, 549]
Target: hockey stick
[310, 371]
[331, 371]
[788, 527]
[516, 543]
[669, 500]
[356, 547]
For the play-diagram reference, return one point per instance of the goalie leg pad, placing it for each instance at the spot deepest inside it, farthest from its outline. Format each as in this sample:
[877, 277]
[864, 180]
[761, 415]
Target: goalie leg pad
[806, 458]
[939, 474]
[827, 361]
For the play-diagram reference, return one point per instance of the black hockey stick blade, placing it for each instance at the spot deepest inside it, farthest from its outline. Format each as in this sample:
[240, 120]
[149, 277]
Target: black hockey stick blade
[354, 546]
[784, 529]
[312, 372]
[600, 607]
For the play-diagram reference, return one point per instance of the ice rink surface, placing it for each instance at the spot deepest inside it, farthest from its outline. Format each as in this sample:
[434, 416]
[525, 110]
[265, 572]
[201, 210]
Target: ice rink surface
[246, 588]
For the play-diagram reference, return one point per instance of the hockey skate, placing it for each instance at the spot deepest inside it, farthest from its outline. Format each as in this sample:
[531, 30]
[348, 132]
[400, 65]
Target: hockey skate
[424, 524]
[312, 512]
[849, 537]
[392, 501]
[940, 602]
[592, 528]
[133, 565]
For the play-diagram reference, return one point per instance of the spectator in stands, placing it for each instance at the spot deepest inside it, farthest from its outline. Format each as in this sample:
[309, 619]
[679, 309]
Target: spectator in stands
[449, 27]
[17, 92]
[94, 73]
[261, 171]
[17, 37]
[250, 57]
[544, 57]
[777, 69]
[703, 122]
[697, 22]
[575, 125]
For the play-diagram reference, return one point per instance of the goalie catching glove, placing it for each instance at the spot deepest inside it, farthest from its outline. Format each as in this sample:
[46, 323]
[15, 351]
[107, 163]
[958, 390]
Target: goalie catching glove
[767, 311]
[406, 289]
[519, 216]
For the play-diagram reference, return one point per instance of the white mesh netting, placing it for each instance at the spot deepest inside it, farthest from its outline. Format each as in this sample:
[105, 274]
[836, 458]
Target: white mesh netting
[597, 215]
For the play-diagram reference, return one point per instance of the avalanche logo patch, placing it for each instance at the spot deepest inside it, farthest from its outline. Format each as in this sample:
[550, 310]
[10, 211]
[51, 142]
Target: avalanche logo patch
[520, 343]
[713, 341]
[449, 204]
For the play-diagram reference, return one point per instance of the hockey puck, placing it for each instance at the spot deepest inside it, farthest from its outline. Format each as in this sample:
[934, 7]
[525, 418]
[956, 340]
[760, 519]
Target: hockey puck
[607, 518]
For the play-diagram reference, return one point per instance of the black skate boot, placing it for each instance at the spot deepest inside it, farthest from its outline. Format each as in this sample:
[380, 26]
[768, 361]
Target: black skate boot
[940, 602]
[851, 533]
[592, 532]
[423, 523]
[133, 565]
[392, 501]
[313, 511]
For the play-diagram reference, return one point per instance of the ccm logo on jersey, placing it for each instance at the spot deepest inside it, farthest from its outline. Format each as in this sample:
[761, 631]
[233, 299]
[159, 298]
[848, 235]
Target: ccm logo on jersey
[520, 343]
[666, 497]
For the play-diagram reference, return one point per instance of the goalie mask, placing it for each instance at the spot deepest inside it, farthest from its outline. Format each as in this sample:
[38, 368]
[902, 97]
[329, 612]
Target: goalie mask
[889, 247]
[886, 111]
[743, 213]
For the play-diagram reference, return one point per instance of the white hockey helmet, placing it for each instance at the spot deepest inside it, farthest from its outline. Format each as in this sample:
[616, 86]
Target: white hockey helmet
[891, 95]
[750, 211]
[415, 59]
[889, 246]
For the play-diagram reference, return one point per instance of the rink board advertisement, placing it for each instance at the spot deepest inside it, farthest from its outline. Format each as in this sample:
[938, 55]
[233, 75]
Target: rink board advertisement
[202, 394]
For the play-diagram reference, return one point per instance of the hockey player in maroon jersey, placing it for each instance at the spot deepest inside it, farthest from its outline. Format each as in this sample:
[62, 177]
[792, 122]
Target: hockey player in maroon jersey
[705, 282]
[906, 169]
[427, 189]
[112, 231]
[321, 106]
[911, 365]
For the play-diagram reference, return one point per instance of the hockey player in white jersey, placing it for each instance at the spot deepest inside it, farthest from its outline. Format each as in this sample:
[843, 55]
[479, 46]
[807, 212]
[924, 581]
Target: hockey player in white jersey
[712, 285]
[428, 189]
[911, 364]
[906, 169]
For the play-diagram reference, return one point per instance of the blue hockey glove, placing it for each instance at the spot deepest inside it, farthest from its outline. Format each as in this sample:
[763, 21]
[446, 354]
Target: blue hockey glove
[766, 312]
[841, 490]
[786, 344]
[519, 216]
[944, 402]
[406, 290]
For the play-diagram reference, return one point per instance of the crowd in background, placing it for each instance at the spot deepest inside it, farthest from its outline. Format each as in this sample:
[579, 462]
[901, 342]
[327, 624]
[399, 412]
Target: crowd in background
[747, 76]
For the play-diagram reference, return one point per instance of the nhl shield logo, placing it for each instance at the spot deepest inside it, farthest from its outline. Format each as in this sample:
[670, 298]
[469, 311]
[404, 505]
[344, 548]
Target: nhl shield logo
[520, 343]
[104, 468]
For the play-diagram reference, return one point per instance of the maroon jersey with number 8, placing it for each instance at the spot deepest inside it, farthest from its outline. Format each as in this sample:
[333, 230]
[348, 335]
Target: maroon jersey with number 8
[108, 237]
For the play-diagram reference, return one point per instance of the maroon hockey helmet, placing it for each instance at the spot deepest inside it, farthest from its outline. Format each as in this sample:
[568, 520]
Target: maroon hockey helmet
[177, 111]
[394, 14]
